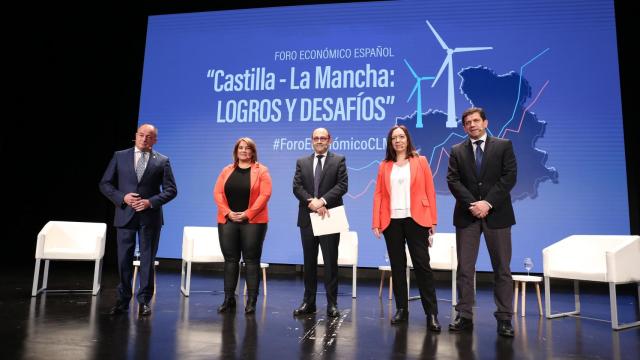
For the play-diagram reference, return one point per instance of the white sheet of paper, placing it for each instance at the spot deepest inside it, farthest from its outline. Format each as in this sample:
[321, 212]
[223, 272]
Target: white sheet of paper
[333, 224]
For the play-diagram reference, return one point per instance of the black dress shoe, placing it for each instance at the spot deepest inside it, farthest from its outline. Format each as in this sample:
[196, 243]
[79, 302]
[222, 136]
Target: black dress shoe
[144, 310]
[332, 310]
[304, 309]
[120, 307]
[402, 315]
[228, 304]
[505, 329]
[433, 324]
[250, 307]
[461, 323]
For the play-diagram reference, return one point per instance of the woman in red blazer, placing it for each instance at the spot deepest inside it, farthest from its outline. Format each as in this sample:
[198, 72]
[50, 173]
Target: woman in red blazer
[241, 193]
[404, 210]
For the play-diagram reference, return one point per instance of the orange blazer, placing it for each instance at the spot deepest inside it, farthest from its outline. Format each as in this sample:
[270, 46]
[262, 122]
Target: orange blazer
[423, 194]
[260, 192]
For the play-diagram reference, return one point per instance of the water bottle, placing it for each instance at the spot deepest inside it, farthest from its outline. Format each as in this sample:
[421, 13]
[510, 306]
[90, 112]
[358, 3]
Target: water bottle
[528, 265]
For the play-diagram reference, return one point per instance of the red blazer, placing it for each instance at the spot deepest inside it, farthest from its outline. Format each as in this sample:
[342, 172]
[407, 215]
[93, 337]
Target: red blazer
[423, 194]
[260, 192]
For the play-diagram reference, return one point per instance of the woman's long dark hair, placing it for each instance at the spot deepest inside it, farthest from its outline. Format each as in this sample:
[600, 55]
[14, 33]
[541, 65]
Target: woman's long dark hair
[391, 152]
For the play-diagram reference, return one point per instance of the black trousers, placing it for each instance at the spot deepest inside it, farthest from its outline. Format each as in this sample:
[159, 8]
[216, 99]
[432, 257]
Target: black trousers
[499, 246]
[241, 240]
[149, 237]
[399, 232]
[329, 245]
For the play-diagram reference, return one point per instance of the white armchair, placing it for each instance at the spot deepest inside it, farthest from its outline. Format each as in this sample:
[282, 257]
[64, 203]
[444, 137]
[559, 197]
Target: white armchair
[74, 241]
[612, 259]
[442, 256]
[347, 255]
[199, 245]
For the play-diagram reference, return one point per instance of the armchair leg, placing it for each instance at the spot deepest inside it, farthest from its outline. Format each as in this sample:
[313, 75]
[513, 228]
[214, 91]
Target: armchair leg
[547, 300]
[353, 280]
[45, 277]
[576, 295]
[185, 278]
[614, 311]
[182, 276]
[97, 270]
[36, 278]
[35, 290]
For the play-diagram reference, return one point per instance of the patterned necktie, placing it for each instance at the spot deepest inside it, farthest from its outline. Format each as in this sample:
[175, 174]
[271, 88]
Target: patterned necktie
[316, 175]
[141, 165]
[479, 154]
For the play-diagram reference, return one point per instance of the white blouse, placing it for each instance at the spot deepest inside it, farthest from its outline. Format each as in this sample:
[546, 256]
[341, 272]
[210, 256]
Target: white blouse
[401, 191]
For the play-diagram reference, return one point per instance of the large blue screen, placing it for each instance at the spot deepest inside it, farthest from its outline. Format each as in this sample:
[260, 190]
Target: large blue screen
[545, 71]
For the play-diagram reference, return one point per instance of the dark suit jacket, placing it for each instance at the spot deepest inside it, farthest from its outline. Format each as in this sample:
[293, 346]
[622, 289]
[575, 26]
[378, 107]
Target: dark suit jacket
[157, 185]
[496, 179]
[333, 184]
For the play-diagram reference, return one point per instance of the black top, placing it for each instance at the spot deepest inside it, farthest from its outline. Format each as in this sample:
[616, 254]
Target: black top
[236, 189]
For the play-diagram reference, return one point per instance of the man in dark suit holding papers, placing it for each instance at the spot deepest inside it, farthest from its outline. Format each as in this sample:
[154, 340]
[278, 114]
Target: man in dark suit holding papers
[319, 183]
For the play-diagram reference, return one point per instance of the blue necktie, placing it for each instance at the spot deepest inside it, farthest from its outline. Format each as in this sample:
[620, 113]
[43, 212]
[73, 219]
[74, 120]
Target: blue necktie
[478, 154]
[316, 175]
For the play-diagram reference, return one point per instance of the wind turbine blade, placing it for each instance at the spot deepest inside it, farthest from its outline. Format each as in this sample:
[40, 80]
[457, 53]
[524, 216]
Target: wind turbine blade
[465, 49]
[446, 62]
[414, 90]
[411, 69]
[435, 33]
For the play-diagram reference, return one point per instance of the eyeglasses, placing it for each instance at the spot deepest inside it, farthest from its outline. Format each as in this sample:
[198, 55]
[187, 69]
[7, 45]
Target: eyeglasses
[320, 138]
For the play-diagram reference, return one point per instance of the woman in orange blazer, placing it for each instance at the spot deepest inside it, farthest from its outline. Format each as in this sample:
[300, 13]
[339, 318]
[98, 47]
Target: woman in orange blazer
[404, 210]
[241, 193]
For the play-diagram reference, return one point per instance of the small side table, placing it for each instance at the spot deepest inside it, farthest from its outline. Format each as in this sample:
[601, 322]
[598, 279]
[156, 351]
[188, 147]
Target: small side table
[522, 280]
[136, 266]
[383, 270]
[263, 267]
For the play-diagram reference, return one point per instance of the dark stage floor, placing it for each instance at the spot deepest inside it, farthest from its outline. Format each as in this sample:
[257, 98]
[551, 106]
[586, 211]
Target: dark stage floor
[74, 326]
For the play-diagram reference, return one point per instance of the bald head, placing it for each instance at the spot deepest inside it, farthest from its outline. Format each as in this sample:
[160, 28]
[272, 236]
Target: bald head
[146, 137]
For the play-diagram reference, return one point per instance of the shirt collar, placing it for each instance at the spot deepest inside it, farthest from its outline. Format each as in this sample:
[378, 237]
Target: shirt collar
[483, 138]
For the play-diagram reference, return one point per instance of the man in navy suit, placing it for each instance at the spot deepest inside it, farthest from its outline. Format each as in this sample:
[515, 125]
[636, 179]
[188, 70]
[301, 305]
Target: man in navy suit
[319, 183]
[482, 171]
[139, 181]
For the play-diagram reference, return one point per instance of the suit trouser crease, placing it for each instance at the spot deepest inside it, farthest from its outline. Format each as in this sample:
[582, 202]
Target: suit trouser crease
[148, 237]
[329, 247]
[241, 240]
[499, 246]
[399, 232]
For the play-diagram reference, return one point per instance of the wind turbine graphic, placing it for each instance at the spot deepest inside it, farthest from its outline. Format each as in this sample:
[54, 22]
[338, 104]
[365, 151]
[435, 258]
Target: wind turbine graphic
[448, 62]
[417, 88]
